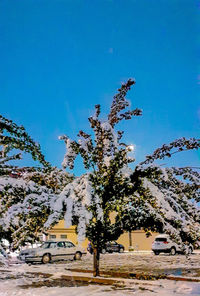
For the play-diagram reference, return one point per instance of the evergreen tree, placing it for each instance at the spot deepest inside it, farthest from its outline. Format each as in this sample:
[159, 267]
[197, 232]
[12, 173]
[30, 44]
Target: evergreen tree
[164, 200]
[25, 193]
[25, 203]
[91, 198]
[15, 138]
[150, 197]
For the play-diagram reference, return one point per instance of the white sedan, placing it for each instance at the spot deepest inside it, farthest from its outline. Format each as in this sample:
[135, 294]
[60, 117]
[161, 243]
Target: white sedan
[52, 251]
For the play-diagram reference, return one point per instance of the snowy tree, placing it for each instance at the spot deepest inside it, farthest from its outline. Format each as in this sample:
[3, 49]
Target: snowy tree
[164, 200]
[25, 203]
[90, 199]
[151, 197]
[25, 193]
[13, 140]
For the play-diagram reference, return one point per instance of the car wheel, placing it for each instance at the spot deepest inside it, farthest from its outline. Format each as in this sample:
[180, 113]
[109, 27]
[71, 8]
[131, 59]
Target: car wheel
[46, 258]
[77, 256]
[121, 250]
[103, 251]
[156, 252]
[173, 251]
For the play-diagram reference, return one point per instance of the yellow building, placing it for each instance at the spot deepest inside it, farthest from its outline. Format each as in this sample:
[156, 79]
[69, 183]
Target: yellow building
[137, 239]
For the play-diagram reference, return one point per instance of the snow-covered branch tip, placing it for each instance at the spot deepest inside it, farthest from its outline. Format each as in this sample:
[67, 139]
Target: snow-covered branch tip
[120, 103]
[13, 136]
[176, 146]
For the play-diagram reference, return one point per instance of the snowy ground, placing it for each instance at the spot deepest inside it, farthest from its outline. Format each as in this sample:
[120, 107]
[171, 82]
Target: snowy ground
[25, 280]
[19, 287]
[145, 262]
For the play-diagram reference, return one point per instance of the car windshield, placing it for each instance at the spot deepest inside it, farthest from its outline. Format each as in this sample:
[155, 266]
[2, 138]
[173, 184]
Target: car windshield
[161, 239]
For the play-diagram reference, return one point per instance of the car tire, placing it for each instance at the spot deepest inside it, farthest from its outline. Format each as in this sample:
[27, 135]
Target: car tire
[121, 250]
[156, 252]
[173, 251]
[46, 258]
[103, 251]
[77, 256]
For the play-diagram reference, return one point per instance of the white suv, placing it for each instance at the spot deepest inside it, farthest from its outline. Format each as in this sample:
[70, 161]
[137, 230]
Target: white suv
[52, 251]
[163, 244]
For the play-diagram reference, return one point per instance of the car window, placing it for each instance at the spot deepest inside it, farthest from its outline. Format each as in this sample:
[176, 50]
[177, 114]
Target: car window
[61, 245]
[161, 239]
[45, 245]
[69, 245]
[53, 245]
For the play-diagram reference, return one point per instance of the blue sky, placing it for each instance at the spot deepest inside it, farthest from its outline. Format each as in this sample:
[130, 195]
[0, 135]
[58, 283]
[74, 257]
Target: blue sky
[61, 57]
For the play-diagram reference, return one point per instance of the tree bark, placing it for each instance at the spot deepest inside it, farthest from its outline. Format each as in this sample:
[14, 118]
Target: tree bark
[96, 257]
[130, 240]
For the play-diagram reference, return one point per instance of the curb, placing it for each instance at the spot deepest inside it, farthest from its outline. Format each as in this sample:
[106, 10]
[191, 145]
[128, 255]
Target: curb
[80, 278]
[118, 277]
[138, 276]
[96, 280]
[185, 279]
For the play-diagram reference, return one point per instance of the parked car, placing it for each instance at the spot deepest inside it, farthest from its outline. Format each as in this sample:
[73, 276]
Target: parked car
[163, 244]
[110, 247]
[52, 251]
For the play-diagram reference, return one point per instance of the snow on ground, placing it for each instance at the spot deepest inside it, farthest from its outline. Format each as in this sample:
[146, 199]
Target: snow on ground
[11, 287]
[18, 280]
[144, 262]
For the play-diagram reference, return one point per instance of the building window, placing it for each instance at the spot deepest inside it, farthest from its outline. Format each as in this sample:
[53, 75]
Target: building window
[63, 236]
[52, 236]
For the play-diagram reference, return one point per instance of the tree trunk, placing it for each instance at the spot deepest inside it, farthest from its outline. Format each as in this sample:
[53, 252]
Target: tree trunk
[130, 240]
[96, 257]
